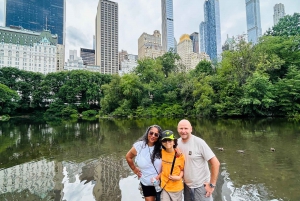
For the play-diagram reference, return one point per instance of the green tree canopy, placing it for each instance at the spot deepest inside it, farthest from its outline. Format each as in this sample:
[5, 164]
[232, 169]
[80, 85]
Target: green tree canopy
[289, 25]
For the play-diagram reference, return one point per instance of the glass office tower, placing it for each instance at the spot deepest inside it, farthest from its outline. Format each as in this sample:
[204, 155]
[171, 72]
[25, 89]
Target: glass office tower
[37, 15]
[167, 25]
[210, 31]
[253, 20]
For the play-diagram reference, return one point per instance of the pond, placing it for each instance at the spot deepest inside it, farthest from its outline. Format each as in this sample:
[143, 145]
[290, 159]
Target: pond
[86, 160]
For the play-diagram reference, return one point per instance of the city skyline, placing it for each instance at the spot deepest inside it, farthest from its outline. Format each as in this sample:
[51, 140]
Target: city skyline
[80, 24]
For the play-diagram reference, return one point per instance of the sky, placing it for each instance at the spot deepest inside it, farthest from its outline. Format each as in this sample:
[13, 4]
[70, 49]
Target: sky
[138, 16]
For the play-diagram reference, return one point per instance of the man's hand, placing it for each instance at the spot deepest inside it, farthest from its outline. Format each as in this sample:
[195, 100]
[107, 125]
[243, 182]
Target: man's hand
[209, 190]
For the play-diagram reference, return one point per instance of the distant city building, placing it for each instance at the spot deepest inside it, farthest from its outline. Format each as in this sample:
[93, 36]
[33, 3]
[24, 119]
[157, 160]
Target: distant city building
[37, 15]
[253, 20]
[28, 50]
[229, 44]
[107, 34]
[88, 56]
[195, 40]
[77, 63]
[189, 59]
[202, 35]
[128, 62]
[175, 45]
[74, 62]
[167, 25]
[60, 56]
[210, 31]
[150, 45]
[278, 12]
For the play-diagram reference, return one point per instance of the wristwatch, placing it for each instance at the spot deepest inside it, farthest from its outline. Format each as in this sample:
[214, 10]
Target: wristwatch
[212, 186]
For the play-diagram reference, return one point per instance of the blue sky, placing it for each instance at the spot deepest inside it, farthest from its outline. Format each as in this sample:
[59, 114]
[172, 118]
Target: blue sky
[138, 16]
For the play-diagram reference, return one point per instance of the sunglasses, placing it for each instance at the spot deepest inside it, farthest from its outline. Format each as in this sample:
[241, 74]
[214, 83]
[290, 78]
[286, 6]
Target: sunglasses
[152, 133]
[166, 140]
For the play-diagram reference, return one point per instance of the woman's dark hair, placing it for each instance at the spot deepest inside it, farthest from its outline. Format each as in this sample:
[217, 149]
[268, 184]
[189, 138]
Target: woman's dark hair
[157, 145]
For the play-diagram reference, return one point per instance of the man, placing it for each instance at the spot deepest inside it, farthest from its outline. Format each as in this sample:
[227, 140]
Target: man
[199, 181]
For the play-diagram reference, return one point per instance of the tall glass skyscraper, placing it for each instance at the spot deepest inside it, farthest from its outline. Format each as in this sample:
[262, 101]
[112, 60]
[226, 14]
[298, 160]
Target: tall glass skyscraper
[253, 20]
[37, 15]
[210, 31]
[167, 25]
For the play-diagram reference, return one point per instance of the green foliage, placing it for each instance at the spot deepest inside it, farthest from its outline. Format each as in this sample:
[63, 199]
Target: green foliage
[287, 92]
[258, 98]
[68, 111]
[287, 26]
[203, 66]
[8, 100]
[168, 61]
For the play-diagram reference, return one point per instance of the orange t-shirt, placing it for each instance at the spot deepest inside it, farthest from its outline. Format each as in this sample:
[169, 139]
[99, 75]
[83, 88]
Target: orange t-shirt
[167, 160]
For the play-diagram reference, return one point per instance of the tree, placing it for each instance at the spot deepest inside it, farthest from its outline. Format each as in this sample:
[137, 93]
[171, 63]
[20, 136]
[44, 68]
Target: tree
[203, 66]
[168, 61]
[8, 100]
[258, 98]
[289, 25]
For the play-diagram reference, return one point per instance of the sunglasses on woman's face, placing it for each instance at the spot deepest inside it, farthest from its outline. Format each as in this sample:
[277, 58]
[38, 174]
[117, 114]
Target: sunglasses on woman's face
[152, 133]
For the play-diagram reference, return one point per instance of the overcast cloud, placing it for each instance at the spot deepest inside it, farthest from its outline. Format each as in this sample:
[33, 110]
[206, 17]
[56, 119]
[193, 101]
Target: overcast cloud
[138, 16]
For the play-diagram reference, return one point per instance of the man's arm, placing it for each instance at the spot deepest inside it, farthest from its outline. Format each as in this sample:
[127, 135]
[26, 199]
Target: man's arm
[214, 171]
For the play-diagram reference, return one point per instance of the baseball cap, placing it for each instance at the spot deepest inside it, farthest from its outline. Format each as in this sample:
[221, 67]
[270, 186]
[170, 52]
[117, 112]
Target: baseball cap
[167, 134]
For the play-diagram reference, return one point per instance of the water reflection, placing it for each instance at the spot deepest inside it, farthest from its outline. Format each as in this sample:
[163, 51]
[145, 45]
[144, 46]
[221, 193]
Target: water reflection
[85, 160]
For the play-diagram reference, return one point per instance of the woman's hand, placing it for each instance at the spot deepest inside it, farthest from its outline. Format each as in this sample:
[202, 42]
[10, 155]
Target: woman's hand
[138, 172]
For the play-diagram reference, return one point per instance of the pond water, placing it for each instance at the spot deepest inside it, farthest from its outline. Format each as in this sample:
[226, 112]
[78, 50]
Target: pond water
[86, 160]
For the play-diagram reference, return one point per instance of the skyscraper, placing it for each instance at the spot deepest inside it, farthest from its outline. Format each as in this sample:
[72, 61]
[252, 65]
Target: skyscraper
[210, 31]
[37, 15]
[107, 37]
[253, 20]
[202, 36]
[278, 12]
[195, 40]
[167, 25]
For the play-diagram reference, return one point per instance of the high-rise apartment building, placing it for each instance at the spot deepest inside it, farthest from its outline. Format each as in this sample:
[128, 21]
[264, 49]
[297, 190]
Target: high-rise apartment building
[37, 15]
[210, 30]
[278, 12]
[195, 40]
[253, 20]
[28, 50]
[167, 25]
[150, 45]
[107, 37]
[88, 56]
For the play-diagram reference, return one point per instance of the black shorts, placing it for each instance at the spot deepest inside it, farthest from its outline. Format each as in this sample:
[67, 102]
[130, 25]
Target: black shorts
[148, 190]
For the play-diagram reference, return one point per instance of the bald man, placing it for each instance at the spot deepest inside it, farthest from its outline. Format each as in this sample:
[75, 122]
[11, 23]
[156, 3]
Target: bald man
[199, 180]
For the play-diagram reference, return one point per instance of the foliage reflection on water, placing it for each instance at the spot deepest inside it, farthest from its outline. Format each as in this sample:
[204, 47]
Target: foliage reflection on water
[85, 160]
